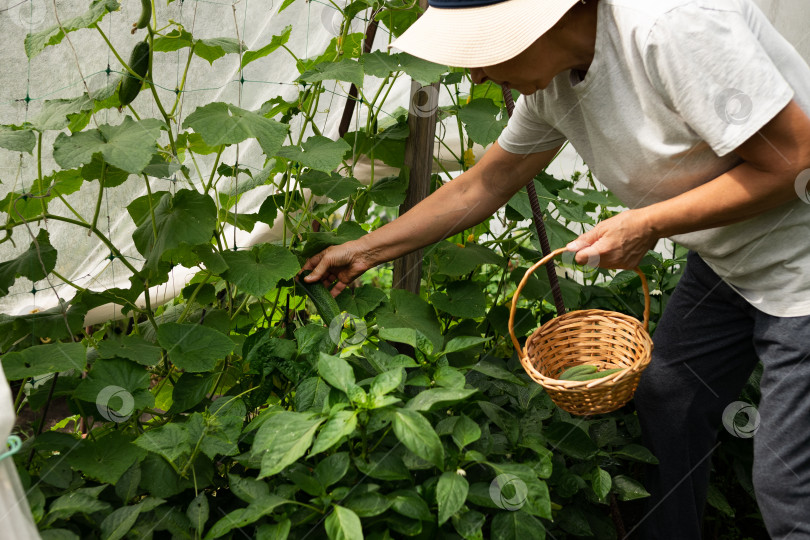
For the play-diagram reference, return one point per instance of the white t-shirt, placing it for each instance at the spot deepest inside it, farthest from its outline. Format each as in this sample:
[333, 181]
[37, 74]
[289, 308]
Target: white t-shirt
[674, 87]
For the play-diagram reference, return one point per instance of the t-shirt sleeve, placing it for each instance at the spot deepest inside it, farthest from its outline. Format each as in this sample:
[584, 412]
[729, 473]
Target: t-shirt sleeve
[712, 70]
[527, 132]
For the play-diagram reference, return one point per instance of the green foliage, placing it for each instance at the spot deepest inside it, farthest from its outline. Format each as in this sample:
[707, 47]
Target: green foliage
[231, 411]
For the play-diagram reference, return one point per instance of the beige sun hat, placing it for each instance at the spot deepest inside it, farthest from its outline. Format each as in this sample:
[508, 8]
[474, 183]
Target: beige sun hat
[479, 33]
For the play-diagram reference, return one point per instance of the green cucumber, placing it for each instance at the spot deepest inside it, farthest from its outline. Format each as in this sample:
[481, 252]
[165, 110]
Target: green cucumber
[131, 86]
[597, 375]
[575, 371]
[146, 14]
[324, 301]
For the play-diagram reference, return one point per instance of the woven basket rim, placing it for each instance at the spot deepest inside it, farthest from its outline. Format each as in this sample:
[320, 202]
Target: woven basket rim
[638, 364]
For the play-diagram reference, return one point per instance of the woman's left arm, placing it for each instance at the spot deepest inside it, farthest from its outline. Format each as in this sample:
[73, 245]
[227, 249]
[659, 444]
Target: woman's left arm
[775, 161]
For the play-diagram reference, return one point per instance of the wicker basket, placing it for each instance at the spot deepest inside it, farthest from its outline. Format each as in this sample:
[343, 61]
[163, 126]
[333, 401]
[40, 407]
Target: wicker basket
[607, 339]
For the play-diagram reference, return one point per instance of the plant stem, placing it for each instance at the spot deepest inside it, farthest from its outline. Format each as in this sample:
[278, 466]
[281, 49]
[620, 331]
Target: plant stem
[151, 206]
[101, 178]
[121, 60]
[214, 170]
[183, 80]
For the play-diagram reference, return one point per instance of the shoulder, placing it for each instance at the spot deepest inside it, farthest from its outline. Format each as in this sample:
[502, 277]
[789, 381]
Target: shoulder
[649, 22]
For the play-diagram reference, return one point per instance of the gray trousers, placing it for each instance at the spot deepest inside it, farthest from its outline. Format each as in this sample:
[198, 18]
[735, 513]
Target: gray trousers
[707, 344]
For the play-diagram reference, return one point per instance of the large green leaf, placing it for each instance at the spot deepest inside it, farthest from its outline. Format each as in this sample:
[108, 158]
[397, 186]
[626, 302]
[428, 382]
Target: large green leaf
[465, 432]
[380, 64]
[636, 452]
[43, 359]
[197, 512]
[383, 466]
[333, 185]
[570, 439]
[343, 524]
[128, 146]
[360, 301]
[82, 500]
[628, 489]
[453, 260]
[481, 118]
[283, 439]
[517, 525]
[344, 70]
[35, 263]
[34, 43]
[207, 49]
[415, 432]
[107, 458]
[193, 347]
[463, 299]
[17, 140]
[191, 389]
[389, 190]
[406, 310]
[311, 394]
[258, 270]
[55, 112]
[188, 217]
[21, 206]
[49, 323]
[318, 152]
[336, 371]
[503, 419]
[451, 493]
[171, 441]
[601, 483]
[121, 520]
[427, 399]
[222, 123]
[132, 347]
[214, 48]
[331, 469]
[118, 387]
[343, 423]
[275, 43]
[422, 71]
[216, 435]
[242, 517]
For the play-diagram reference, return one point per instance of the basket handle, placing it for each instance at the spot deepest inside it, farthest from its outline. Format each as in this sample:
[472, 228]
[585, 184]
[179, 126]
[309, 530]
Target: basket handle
[543, 261]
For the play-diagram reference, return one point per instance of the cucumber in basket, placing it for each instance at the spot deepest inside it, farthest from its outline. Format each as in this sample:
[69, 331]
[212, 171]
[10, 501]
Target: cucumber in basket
[585, 372]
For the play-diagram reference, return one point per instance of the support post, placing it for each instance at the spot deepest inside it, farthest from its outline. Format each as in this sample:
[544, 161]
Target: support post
[422, 114]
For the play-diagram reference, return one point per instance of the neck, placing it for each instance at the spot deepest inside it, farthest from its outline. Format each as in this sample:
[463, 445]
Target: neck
[575, 36]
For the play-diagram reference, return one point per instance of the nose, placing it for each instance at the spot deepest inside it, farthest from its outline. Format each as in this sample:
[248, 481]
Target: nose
[478, 76]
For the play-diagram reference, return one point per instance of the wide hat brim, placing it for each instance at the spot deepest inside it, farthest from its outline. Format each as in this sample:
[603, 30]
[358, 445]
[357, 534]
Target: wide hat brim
[480, 36]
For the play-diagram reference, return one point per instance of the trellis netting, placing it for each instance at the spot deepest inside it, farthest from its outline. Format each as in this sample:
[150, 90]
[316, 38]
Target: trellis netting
[44, 82]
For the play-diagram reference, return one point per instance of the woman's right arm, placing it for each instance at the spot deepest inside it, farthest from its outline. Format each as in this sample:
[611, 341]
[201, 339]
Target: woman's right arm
[459, 204]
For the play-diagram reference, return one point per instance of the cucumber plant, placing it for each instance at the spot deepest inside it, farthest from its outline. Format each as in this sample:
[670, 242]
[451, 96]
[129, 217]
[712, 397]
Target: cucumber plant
[229, 411]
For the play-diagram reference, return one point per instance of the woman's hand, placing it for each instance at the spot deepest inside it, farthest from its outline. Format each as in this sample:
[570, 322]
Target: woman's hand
[618, 242]
[341, 264]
